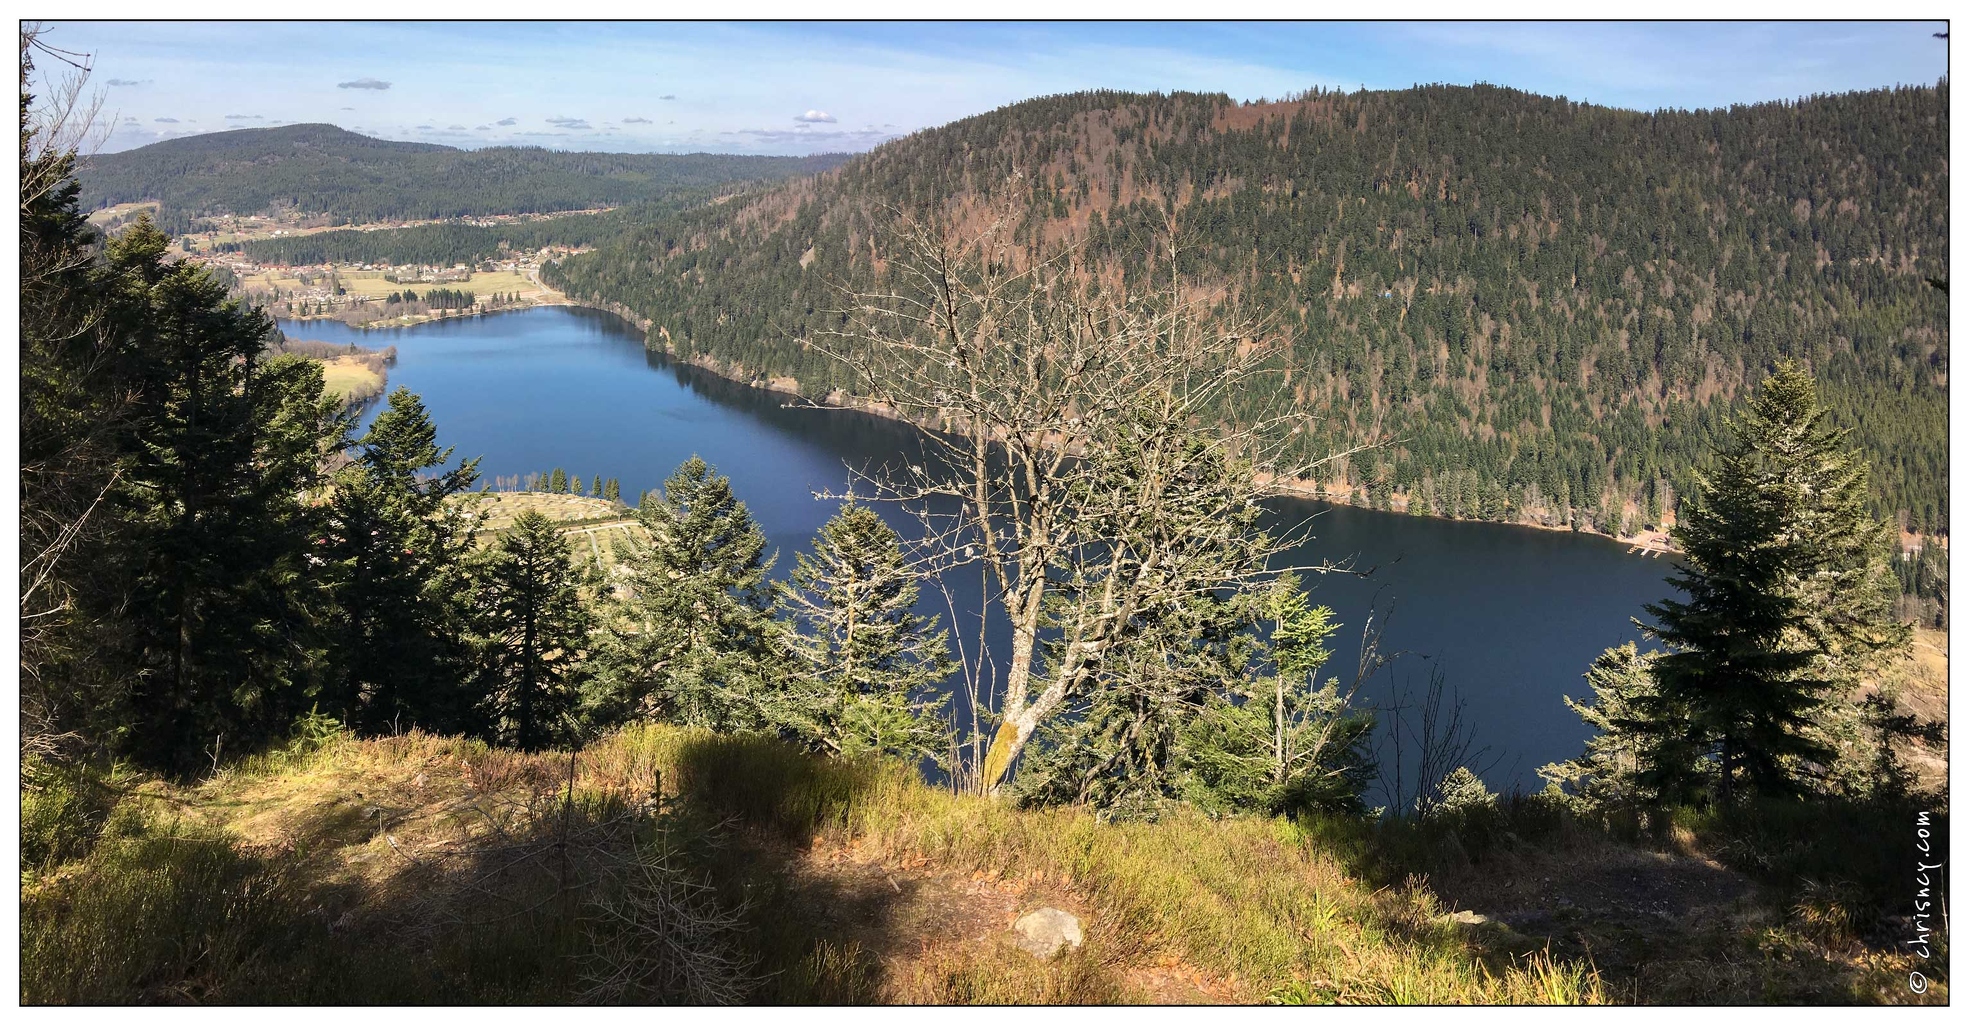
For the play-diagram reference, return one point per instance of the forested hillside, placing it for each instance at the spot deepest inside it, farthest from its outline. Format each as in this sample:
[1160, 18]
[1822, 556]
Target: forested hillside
[1544, 308]
[322, 169]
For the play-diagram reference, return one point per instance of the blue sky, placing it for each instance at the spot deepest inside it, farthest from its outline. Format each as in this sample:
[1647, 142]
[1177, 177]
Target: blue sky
[804, 87]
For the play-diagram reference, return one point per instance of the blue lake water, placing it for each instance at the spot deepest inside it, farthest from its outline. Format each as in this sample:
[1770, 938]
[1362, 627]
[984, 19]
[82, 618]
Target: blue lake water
[1511, 615]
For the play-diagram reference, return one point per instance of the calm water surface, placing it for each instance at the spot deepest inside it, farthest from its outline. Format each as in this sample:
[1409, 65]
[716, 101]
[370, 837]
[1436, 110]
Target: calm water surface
[1511, 615]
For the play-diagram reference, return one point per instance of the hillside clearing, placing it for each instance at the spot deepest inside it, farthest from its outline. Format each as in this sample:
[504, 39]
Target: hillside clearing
[596, 529]
[502, 508]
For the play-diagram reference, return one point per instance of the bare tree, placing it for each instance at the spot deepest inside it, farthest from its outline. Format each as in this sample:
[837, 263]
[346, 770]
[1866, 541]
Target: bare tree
[1442, 740]
[1095, 449]
[61, 122]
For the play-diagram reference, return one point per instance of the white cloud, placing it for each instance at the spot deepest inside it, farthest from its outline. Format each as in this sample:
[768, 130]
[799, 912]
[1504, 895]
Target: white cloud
[363, 83]
[816, 117]
[508, 122]
[635, 121]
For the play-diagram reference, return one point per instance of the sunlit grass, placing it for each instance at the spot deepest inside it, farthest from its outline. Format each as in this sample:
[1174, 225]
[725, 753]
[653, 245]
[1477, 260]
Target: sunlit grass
[303, 875]
[351, 377]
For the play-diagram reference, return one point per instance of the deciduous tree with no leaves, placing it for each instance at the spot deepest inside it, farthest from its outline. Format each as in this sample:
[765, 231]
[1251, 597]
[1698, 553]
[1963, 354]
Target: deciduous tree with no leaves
[1032, 369]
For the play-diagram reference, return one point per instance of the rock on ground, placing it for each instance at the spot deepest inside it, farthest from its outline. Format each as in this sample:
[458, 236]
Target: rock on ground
[1043, 932]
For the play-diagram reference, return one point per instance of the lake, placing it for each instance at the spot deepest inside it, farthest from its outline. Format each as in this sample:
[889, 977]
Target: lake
[1511, 615]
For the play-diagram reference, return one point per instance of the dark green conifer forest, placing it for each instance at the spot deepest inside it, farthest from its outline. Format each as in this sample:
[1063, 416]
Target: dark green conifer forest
[325, 170]
[450, 242]
[1541, 308]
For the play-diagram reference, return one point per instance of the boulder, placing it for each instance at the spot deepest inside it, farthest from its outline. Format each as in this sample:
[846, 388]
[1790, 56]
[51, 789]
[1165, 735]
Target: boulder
[1044, 931]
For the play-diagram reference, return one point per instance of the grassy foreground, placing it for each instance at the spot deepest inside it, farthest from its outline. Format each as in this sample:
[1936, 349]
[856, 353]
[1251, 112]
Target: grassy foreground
[664, 864]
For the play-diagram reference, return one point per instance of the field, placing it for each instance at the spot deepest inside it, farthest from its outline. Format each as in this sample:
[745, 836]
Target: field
[595, 528]
[207, 241]
[372, 285]
[354, 378]
[602, 541]
[502, 508]
[121, 212]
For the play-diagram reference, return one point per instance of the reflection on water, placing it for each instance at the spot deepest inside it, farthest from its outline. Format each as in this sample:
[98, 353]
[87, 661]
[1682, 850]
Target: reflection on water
[1511, 615]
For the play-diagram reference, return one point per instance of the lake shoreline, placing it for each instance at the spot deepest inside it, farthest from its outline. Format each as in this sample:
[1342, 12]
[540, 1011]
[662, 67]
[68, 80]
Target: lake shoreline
[1647, 544]
[1512, 617]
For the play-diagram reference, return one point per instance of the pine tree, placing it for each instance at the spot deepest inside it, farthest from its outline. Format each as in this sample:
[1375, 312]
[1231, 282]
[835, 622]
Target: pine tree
[1788, 598]
[690, 641]
[557, 481]
[1637, 735]
[222, 446]
[1125, 748]
[535, 626]
[574, 485]
[613, 492]
[396, 551]
[72, 400]
[862, 665]
[1283, 741]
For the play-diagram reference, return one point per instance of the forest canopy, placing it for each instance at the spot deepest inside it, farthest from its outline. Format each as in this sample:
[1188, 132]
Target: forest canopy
[322, 169]
[1541, 308]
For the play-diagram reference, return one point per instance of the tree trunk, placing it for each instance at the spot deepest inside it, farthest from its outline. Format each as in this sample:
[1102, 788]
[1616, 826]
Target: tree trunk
[1278, 730]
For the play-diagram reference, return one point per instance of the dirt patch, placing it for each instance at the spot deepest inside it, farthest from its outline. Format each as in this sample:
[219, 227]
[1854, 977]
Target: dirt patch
[1547, 889]
[1623, 908]
[895, 909]
[915, 918]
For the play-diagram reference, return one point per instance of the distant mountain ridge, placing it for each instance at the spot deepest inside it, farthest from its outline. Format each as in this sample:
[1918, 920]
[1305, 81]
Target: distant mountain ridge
[326, 170]
[1543, 308]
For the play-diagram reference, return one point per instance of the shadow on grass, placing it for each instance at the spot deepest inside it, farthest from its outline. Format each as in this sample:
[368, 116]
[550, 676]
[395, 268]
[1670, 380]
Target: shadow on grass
[827, 935]
[1764, 902]
[457, 874]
